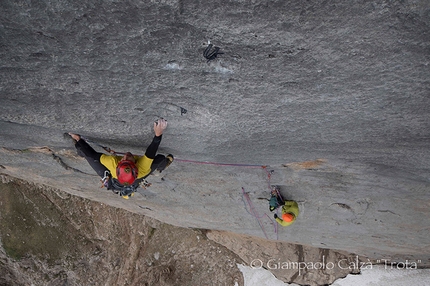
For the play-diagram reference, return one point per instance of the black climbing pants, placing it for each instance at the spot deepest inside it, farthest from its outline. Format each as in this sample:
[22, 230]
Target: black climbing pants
[92, 157]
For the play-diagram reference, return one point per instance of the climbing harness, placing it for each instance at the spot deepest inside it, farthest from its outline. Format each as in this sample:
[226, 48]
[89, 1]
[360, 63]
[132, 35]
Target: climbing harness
[105, 180]
[113, 184]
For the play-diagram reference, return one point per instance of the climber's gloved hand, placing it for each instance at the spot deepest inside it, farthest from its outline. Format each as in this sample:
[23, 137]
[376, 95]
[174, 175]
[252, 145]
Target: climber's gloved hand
[275, 216]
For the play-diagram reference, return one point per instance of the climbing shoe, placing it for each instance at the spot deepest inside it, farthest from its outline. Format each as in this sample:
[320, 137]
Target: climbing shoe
[169, 160]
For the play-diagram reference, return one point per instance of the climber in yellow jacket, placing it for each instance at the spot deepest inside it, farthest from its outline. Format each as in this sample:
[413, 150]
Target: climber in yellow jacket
[124, 174]
[290, 211]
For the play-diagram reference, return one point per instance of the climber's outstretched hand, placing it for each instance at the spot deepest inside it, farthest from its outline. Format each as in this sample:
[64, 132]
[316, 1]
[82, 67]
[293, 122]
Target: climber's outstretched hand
[159, 126]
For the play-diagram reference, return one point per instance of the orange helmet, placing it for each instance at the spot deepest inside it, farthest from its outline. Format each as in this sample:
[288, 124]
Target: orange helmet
[126, 171]
[288, 217]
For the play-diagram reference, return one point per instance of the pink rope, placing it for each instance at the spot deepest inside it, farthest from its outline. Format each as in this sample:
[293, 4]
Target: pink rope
[254, 212]
[220, 164]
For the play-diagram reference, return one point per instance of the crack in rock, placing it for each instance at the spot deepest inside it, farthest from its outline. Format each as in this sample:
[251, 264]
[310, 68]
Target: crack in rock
[388, 211]
[45, 150]
[344, 206]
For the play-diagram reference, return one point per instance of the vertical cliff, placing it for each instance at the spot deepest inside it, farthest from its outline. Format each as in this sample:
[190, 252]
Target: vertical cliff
[331, 96]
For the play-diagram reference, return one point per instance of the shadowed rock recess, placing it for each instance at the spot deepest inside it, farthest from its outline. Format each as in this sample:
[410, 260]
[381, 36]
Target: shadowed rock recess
[327, 99]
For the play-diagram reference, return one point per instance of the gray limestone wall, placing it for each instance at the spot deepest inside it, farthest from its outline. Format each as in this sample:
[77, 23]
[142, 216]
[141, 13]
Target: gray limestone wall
[333, 96]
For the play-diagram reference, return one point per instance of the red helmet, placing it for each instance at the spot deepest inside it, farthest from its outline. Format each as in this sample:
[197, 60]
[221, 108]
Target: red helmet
[126, 172]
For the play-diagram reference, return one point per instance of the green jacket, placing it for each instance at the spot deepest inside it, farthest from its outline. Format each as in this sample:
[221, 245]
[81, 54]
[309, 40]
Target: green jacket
[289, 207]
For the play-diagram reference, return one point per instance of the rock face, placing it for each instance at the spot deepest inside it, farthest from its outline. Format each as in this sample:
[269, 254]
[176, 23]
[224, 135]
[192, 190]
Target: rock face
[331, 96]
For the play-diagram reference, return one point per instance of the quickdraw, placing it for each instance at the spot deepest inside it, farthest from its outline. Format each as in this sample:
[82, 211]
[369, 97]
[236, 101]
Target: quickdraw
[211, 55]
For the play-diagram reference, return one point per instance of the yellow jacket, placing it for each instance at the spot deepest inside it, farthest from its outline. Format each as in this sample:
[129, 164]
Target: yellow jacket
[143, 164]
[289, 207]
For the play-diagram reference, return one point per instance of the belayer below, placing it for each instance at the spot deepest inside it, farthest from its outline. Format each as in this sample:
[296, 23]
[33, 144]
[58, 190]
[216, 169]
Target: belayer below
[124, 174]
[290, 209]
